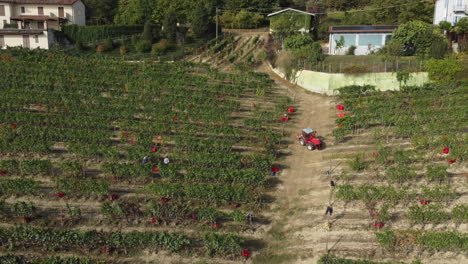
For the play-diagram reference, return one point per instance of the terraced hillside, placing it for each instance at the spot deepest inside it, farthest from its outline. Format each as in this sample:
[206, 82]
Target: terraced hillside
[83, 143]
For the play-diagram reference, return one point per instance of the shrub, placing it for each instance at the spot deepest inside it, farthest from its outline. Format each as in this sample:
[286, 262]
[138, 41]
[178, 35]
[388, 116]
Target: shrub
[143, 46]
[108, 45]
[443, 71]
[97, 33]
[33, 167]
[297, 41]
[123, 50]
[242, 19]
[357, 163]
[222, 244]
[72, 168]
[356, 68]
[436, 172]
[351, 50]
[161, 47]
[427, 214]
[232, 58]
[23, 209]
[417, 37]
[460, 213]
[100, 48]
[79, 45]
[400, 173]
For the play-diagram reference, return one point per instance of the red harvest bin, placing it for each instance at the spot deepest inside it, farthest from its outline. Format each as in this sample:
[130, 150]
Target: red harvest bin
[341, 115]
[340, 107]
[153, 149]
[446, 150]
[155, 170]
[13, 126]
[290, 110]
[60, 195]
[245, 253]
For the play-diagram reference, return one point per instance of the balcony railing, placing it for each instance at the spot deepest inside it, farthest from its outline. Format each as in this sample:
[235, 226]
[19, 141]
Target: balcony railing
[460, 8]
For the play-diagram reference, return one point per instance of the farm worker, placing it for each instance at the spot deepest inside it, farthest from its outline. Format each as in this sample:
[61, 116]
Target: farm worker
[332, 184]
[166, 161]
[327, 225]
[285, 117]
[329, 210]
[250, 218]
[245, 253]
[328, 173]
[145, 160]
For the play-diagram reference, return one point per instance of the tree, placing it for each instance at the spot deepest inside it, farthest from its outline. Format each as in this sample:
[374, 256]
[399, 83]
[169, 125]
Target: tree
[100, 12]
[461, 26]
[417, 37]
[297, 41]
[445, 26]
[202, 25]
[264, 6]
[134, 12]
[339, 43]
[129, 13]
[151, 31]
[170, 25]
[402, 11]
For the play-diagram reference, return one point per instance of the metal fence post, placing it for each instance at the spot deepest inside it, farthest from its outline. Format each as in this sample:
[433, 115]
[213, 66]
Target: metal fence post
[385, 66]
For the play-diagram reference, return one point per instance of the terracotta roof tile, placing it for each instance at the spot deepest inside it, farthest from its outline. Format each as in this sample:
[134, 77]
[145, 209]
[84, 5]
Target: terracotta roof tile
[50, 2]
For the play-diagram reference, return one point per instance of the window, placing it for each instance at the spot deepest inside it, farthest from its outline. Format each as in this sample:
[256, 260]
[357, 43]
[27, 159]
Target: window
[366, 40]
[388, 38]
[23, 10]
[350, 39]
[40, 10]
[36, 38]
[40, 25]
[61, 12]
[456, 19]
[2, 10]
[2, 41]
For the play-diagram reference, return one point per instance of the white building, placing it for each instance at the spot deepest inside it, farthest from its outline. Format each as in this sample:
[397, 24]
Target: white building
[365, 39]
[450, 10]
[28, 23]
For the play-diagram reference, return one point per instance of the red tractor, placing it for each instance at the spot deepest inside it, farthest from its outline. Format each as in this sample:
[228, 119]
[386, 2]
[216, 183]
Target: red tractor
[309, 138]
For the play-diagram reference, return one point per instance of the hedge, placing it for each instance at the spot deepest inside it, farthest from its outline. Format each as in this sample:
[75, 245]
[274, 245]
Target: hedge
[96, 33]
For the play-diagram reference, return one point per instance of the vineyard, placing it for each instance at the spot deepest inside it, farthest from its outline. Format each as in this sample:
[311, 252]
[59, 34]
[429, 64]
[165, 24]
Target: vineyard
[410, 179]
[118, 161]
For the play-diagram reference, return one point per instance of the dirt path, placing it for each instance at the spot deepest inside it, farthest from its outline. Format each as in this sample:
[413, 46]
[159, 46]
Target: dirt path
[304, 192]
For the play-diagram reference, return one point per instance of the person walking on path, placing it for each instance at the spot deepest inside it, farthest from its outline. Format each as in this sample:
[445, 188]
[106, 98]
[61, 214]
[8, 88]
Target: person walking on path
[329, 210]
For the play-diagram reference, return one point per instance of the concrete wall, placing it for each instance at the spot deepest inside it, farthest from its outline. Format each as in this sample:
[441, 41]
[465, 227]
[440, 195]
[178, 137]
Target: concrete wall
[17, 41]
[450, 10]
[327, 83]
[79, 14]
[7, 15]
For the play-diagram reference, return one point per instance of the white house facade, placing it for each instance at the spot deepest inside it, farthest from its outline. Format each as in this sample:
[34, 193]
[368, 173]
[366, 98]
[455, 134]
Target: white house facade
[28, 23]
[365, 39]
[450, 10]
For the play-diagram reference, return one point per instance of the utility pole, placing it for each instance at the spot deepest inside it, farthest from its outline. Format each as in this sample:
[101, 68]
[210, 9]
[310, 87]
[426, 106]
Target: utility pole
[217, 26]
